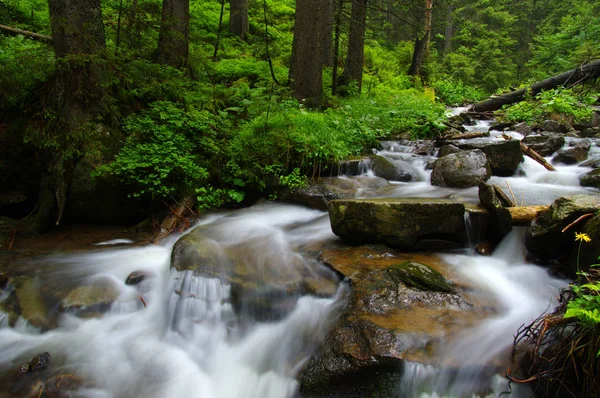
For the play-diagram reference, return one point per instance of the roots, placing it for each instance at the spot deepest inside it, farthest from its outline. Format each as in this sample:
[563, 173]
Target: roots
[561, 354]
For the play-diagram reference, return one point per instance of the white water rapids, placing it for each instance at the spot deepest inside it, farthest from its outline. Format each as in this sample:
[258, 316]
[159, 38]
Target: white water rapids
[189, 342]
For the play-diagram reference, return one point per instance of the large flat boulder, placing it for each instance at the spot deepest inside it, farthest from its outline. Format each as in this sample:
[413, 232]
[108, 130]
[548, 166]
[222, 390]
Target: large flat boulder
[407, 223]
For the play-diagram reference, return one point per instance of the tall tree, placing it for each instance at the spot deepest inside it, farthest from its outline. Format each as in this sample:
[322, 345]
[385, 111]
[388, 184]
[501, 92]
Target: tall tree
[238, 18]
[422, 41]
[306, 67]
[70, 105]
[173, 38]
[327, 34]
[355, 58]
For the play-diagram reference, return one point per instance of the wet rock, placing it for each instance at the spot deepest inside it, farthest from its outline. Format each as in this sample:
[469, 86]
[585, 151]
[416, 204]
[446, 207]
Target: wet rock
[136, 277]
[500, 220]
[447, 150]
[545, 143]
[504, 157]
[385, 168]
[37, 363]
[32, 306]
[94, 298]
[12, 197]
[484, 249]
[420, 276]
[354, 166]
[592, 132]
[461, 170]
[264, 284]
[318, 192]
[62, 386]
[586, 144]
[591, 179]
[545, 240]
[595, 122]
[522, 128]
[555, 126]
[384, 323]
[425, 148]
[590, 251]
[593, 163]
[400, 223]
[570, 155]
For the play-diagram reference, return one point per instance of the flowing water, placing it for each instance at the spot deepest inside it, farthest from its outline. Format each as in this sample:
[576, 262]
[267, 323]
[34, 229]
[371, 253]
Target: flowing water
[179, 334]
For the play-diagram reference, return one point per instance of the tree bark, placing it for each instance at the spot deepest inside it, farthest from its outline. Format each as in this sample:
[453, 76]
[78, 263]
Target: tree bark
[355, 59]
[306, 68]
[565, 79]
[238, 18]
[73, 99]
[422, 43]
[26, 33]
[173, 38]
[327, 33]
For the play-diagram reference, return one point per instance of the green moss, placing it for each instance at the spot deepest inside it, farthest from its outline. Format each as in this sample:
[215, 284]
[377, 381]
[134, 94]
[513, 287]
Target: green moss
[420, 276]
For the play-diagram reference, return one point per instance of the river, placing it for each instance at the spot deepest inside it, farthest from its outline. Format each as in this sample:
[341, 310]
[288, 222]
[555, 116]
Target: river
[178, 334]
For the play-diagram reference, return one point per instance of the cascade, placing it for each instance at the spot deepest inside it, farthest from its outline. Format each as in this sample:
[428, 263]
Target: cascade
[182, 333]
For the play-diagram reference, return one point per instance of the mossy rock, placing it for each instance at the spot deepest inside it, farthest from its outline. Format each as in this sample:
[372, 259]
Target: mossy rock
[89, 297]
[420, 276]
[591, 179]
[31, 304]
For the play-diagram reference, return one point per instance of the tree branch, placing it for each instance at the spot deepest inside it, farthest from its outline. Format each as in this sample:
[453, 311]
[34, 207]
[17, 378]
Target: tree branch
[26, 33]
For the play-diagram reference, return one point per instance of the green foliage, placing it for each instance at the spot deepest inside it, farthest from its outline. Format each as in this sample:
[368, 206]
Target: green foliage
[561, 103]
[24, 65]
[585, 306]
[453, 92]
[168, 150]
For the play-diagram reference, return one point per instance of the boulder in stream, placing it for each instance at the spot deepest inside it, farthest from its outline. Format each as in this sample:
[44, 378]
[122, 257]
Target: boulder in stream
[385, 168]
[545, 241]
[504, 156]
[461, 170]
[545, 143]
[407, 224]
[400, 306]
[570, 155]
[591, 179]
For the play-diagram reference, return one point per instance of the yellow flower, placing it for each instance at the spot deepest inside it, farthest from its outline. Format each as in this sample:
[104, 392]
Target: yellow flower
[582, 236]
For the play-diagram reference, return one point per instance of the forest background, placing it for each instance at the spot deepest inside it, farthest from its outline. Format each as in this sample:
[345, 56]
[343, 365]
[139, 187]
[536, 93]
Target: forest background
[230, 100]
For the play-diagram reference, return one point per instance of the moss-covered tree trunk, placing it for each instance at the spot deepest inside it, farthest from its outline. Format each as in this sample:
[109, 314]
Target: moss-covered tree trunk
[238, 18]
[422, 42]
[355, 59]
[306, 68]
[71, 101]
[173, 38]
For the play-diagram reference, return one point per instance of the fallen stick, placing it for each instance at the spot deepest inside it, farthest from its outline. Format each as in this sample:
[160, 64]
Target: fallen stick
[523, 215]
[465, 136]
[532, 154]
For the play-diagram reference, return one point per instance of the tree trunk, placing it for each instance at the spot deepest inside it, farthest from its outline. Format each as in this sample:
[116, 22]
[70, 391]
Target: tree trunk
[238, 18]
[422, 43]
[173, 38]
[448, 31]
[328, 33]
[523, 215]
[74, 99]
[565, 79]
[305, 76]
[355, 59]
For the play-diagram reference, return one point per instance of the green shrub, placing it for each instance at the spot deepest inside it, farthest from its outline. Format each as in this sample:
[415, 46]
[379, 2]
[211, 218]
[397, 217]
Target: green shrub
[167, 152]
[558, 103]
[453, 92]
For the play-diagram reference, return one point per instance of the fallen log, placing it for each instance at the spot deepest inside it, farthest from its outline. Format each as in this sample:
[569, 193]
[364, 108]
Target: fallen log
[465, 136]
[176, 217]
[532, 154]
[523, 215]
[566, 79]
[26, 33]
